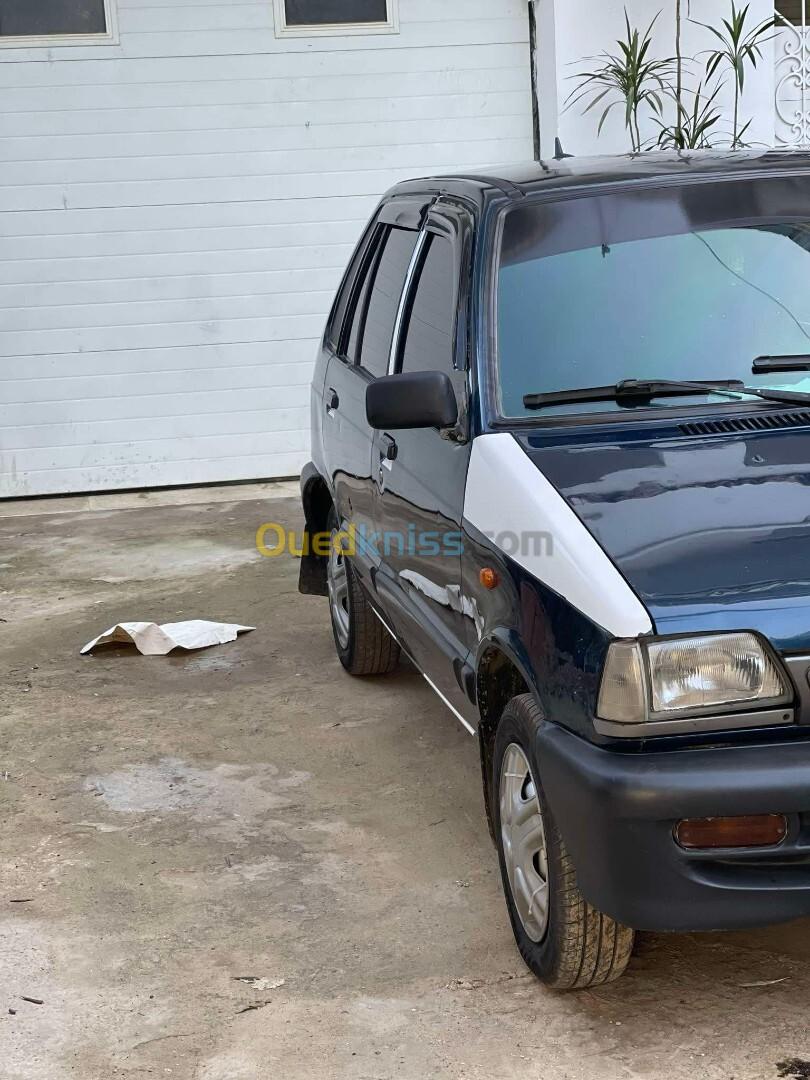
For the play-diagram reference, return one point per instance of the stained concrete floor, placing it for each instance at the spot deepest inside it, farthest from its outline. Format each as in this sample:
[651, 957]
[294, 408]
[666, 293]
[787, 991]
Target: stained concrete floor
[243, 864]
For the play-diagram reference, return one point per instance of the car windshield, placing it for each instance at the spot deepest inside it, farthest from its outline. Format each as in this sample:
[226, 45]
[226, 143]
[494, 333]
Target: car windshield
[687, 282]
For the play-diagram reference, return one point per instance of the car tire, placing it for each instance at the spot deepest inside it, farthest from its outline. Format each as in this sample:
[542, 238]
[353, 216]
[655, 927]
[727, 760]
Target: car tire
[363, 645]
[565, 941]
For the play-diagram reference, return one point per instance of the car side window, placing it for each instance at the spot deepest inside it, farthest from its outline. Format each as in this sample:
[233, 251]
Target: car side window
[430, 325]
[373, 331]
[353, 334]
[340, 306]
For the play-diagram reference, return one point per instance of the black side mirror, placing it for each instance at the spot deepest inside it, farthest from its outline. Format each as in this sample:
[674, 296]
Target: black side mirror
[416, 399]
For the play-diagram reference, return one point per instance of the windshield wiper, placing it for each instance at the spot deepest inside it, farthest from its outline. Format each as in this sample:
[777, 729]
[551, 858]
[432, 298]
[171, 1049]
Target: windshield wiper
[637, 390]
[787, 362]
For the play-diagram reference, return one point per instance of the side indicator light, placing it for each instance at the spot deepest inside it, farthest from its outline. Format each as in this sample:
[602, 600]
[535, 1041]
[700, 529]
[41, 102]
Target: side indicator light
[489, 578]
[753, 830]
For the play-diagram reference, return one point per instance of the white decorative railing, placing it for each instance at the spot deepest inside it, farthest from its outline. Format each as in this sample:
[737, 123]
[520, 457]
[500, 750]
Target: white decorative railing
[792, 81]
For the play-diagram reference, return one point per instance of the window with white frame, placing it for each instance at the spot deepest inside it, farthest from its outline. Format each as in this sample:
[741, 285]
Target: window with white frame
[53, 22]
[335, 16]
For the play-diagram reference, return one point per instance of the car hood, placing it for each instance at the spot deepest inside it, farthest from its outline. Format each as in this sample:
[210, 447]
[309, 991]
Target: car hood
[712, 532]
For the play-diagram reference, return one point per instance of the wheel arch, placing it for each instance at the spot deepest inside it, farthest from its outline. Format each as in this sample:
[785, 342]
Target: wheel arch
[501, 673]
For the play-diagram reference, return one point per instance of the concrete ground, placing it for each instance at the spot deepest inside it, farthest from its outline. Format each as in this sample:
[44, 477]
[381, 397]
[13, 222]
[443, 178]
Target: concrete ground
[243, 864]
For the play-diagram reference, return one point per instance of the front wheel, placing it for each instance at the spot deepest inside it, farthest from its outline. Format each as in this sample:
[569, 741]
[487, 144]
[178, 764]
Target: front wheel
[363, 644]
[566, 943]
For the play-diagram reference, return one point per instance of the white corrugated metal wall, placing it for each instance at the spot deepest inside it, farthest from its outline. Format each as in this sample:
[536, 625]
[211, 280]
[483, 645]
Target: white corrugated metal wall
[176, 210]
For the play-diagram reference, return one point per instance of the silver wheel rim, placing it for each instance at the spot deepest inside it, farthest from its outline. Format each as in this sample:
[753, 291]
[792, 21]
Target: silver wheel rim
[523, 838]
[338, 591]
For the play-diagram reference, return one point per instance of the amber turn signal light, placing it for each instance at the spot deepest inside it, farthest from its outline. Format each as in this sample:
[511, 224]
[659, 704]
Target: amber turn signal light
[489, 578]
[753, 830]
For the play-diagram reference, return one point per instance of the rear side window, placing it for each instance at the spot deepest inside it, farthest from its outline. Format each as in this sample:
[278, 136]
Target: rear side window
[373, 335]
[362, 288]
[431, 325]
[344, 294]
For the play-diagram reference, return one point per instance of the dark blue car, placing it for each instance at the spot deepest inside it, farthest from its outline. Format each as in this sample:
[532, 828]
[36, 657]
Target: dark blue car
[561, 459]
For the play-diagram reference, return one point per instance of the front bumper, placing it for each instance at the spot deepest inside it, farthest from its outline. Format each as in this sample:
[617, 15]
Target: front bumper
[616, 813]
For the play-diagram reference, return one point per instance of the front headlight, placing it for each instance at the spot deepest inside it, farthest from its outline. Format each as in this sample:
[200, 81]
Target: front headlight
[679, 678]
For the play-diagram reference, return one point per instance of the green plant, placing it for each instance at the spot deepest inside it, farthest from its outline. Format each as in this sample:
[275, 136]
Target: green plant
[692, 126]
[631, 75]
[679, 63]
[678, 135]
[737, 49]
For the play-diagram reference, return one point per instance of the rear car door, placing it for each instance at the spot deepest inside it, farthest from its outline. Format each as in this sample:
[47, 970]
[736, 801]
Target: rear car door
[420, 474]
[362, 353]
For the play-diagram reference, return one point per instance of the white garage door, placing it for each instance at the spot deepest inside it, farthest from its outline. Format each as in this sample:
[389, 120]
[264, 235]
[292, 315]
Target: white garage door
[178, 196]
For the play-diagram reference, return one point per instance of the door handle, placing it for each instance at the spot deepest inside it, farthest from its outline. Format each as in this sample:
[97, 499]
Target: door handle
[388, 449]
[332, 401]
[388, 452]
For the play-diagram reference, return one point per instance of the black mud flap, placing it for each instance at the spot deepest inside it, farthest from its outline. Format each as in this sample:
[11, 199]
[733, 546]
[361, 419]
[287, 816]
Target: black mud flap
[316, 503]
[312, 576]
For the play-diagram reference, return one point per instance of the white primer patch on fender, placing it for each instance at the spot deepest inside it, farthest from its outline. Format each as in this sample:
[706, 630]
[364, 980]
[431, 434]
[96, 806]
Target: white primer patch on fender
[507, 493]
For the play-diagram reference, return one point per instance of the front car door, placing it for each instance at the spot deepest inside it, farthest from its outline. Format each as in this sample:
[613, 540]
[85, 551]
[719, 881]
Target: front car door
[420, 474]
[362, 353]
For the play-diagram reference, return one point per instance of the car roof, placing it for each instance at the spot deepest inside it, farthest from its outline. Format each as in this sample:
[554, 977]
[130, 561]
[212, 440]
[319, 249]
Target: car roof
[577, 172]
